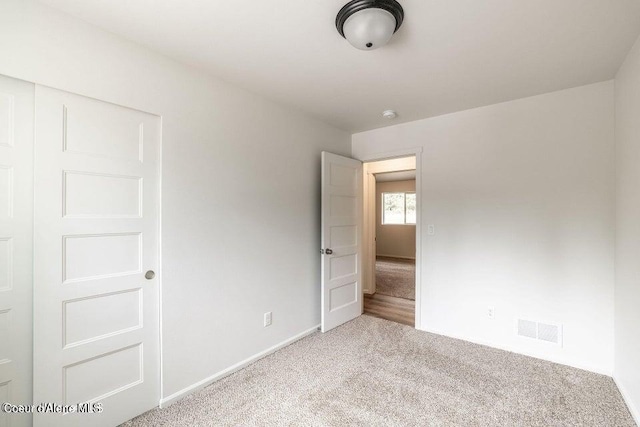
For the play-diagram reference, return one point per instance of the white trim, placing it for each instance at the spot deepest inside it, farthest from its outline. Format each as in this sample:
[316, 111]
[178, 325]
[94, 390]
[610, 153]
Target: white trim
[160, 341]
[234, 368]
[406, 152]
[511, 349]
[417, 153]
[418, 305]
[368, 230]
[633, 409]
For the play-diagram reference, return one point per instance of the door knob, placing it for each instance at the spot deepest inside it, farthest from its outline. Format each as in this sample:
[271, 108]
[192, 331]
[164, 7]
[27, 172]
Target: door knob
[150, 275]
[328, 251]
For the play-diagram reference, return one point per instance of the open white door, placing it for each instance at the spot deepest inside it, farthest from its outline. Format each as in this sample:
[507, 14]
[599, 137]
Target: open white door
[16, 227]
[341, 240]
[96, 234]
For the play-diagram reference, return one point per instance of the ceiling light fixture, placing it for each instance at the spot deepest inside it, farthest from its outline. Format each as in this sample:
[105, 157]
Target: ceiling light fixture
[389, 114]
[369, 24]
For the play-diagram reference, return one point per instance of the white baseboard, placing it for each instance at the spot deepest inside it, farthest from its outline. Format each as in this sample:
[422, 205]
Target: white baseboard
[635, 411]
[230, 370]
[396, 256]
[585, 367]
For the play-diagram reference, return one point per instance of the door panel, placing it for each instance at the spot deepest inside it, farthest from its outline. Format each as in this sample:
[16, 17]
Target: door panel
[97, 232]
[16, 236]
[341, 234]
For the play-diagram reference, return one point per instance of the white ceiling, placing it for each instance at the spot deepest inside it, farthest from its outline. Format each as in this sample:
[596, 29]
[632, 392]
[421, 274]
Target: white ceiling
[395, 176]
[449, 55]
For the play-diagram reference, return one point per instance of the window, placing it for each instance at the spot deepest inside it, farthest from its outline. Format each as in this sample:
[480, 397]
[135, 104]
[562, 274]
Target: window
[399, 208]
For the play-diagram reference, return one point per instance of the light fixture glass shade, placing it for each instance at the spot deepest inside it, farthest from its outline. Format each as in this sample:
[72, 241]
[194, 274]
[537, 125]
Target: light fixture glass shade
[369, 29]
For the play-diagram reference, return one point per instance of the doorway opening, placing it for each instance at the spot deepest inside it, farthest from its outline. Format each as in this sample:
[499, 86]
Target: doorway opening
[390, 235]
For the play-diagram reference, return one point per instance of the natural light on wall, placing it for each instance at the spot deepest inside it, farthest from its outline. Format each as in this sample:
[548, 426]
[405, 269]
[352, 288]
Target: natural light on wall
[398, 208]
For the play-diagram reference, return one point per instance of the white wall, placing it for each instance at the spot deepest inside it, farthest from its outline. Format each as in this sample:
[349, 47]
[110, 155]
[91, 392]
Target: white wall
[521, 195]
[230, 252]
[627, 291]
[396, 240]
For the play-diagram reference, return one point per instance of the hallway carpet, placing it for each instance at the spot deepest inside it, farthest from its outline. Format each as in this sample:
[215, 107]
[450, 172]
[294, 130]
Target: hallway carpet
[396, 277]
[373, 372]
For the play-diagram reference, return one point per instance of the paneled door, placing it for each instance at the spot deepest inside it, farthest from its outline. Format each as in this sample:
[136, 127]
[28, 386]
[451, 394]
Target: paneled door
[96, 258]
[16, 237]
[341, 223]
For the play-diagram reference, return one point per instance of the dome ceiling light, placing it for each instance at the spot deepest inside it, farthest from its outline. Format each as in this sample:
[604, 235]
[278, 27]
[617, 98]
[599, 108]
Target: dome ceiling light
[369, 24]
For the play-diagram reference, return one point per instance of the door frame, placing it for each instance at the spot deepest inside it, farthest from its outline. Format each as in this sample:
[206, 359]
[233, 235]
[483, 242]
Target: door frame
[367, 245]
[371, 209]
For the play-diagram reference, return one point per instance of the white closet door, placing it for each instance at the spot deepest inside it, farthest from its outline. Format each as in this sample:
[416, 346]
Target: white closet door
[16, 237]
[96, 247]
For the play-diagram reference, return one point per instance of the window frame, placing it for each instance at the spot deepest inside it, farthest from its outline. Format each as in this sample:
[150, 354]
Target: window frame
[404, 199]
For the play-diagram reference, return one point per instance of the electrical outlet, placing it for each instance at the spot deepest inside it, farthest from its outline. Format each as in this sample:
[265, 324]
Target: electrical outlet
[491, 313]
[431, 230]
[267, 319]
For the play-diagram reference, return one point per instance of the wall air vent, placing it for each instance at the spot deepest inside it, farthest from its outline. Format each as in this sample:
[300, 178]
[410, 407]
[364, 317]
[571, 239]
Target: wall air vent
[548, 332]
[527, 328]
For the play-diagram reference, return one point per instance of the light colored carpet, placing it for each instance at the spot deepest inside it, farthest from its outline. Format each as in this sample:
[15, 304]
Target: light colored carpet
[373, 372]
[396, 277]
